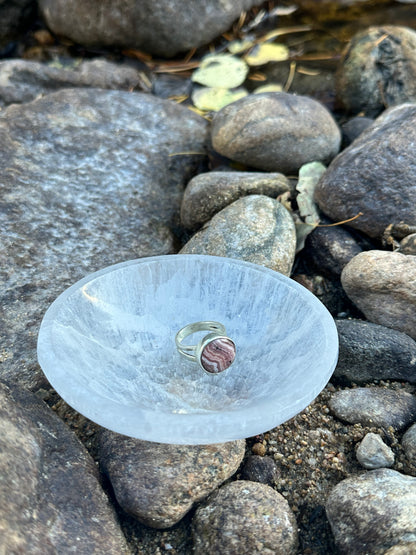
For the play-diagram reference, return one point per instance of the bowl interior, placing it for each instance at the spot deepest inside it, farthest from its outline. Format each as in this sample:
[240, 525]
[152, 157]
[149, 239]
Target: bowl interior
[107, 345]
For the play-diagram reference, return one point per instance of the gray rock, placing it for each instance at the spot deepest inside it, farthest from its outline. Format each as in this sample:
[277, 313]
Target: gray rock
[276, 132]
[256, 228]
[376, 175]
[353, 129]
[51, 500]
[373, 512]
[408, 244]
[23, 80]
[386, 56]
[370, 352]
[260, 469]
[330, 248]
[382, 284]
[87, 180]
[409, 444]
[13, 16]
[159, 483]
[208, 193]
[373, 453]
[374, 406]
[245, 517]
[163, 29]
[402, 548]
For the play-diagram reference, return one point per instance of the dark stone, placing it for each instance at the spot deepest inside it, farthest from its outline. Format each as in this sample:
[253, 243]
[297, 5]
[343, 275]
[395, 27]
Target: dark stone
[353, 129]
[51, 500]
[408, 244]
[374, 406]
[14, 15]
[370, 352]
[378, 70]
[260, 469]
[276, 132]
[159, 483]
[376, 175]
[165, 28]
[87, 180]
[409, 444]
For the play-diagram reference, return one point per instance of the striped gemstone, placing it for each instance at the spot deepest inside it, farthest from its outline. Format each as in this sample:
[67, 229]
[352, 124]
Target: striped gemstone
[218, 355]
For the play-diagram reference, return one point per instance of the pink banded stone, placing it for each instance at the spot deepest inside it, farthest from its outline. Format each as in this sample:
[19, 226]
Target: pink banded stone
[218, 355]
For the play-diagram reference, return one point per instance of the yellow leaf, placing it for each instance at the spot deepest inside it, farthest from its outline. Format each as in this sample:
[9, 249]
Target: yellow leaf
[238, 46]
[271, 87]
[215, 98]
[221, 70]
[267, 52]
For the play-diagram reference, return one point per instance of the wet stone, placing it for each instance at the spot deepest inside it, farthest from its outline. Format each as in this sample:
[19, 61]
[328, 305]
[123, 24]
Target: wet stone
[159, 483]
[382, 285]
[260, 469]
[245, 517]
[373, 453]
[353, 129]
[255, 228]
[370, 352]
[374, 406]
[373, 512]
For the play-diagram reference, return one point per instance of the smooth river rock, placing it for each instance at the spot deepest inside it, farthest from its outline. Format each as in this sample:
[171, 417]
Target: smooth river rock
[370, 352]
[208, 193]
[382, 284]
[373, 512]
[51, 500]
[165, 28]
[376, 175]
[245, 517]
[276, 132]
[159, 483]
[374, 406]
[378, 70]
[373, 453]
[86, 180]
[256, 228]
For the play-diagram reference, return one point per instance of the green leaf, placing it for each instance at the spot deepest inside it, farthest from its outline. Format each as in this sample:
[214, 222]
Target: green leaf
[309, 175]
[267, 52]
[221, 70]
[215, 98]
[271, 87]
[238, 46]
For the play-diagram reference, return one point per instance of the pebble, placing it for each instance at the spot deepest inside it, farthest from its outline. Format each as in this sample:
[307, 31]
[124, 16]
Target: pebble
[408, 245]
[370, 352]
[74, 202]
[23, 80]
[373, 453]
[245, 517]
[208, 193]
[51, 500]
[382, 285]
[255, 228]
[159, 483]
[353, 129]
[144, 26]
[409, 444]
[373, 512]
[386, 56]
[374, 406]
[258, 468]
[375, 176]
[276, 132]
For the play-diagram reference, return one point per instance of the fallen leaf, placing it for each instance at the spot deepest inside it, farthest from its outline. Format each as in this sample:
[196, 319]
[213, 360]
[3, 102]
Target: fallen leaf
[267, 52]
[271, 87]
[309, 175]
[221, 70]
[215, 98]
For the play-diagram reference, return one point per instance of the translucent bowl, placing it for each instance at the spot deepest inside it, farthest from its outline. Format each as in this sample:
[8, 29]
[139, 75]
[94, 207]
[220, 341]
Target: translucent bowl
[107, 345]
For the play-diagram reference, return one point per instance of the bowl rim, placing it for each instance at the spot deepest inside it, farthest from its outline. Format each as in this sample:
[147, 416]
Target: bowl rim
[139, 422]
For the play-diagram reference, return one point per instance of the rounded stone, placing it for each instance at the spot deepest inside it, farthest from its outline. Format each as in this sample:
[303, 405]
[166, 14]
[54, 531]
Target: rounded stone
[409, 444]
[276, 132]
[378, 70]
[408, 244]
[353, 129]
[373, 453]
[218, 355]
[245, 517]
[374, 176]
[373, 512]
[382, 285]
[255, 228]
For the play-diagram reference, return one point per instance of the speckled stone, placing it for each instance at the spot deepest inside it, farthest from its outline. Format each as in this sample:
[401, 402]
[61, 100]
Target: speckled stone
[208, 193]
[245, 517]
[218, 355]
[370, 352]
[382, 284]
[373, 453]
[86, 180]
[159, 483]
[51, 500]
[256, 228]
[373, 512]
[409, 444]
[408, 245]
[374, 406]
[276, 132]
[376, 175]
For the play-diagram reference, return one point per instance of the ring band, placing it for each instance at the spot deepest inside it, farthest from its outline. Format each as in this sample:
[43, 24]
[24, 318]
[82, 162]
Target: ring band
[214, 353]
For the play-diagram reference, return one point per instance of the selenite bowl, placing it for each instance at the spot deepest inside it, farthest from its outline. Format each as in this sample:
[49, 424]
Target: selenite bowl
[107, 345]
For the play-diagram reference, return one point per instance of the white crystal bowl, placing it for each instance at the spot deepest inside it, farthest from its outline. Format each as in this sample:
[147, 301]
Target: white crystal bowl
[107, 345]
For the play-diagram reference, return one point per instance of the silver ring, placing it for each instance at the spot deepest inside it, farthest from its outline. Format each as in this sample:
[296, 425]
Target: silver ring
[214, 353]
